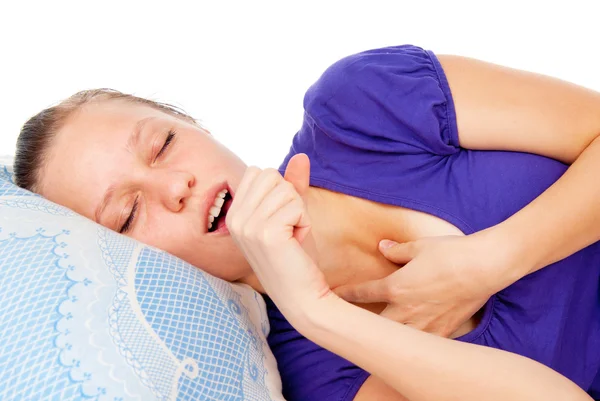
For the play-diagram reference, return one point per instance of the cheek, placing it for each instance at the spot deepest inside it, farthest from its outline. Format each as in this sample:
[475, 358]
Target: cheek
[209, 159]
[216, 256]
[194, 148]
[169, 234]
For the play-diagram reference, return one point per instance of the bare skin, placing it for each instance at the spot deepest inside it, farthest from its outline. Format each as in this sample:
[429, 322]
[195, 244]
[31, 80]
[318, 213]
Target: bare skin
[172, 188]
[495, 107]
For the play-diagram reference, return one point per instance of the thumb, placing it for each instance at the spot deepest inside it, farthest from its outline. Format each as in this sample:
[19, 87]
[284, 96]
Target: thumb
[398, 253]
[297, 172]
[364, 293]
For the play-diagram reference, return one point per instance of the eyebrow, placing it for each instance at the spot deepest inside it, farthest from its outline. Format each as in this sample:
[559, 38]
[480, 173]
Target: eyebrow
[134, 138]
[132, 143]
[110, 191]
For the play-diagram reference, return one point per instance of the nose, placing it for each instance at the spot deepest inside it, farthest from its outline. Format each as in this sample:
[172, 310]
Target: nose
[176, 189]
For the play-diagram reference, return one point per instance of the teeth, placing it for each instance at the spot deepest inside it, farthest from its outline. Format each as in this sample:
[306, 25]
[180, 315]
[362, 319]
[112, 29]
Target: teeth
[215, 209]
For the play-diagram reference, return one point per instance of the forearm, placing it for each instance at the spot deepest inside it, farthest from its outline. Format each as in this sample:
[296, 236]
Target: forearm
[500, 108]
[561, 221]
[422, 366]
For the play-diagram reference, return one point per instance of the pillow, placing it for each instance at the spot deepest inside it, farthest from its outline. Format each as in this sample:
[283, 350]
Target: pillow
[86, 313]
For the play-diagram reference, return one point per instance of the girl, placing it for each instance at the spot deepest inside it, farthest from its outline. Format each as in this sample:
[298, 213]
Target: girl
[403, 145]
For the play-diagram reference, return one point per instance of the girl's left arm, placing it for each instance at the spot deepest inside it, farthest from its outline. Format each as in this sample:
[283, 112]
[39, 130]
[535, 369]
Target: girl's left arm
[422, 366]
[500, 108]
[445, 280]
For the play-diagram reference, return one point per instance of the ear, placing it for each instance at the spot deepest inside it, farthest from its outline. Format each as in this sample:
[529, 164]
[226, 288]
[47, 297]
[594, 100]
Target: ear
[298, 172]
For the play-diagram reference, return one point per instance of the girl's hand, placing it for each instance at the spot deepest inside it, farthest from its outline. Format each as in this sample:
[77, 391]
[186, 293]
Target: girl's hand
[443, 283]
[268, 221]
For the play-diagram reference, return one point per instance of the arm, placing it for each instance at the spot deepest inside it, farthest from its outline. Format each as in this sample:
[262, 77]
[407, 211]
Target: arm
[268, 222]
[422, 366]
[376, 389]
[500, 108]
[445, 280]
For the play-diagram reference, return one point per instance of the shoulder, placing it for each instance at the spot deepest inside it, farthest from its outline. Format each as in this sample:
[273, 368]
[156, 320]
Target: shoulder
[397, 96]
[369, 69]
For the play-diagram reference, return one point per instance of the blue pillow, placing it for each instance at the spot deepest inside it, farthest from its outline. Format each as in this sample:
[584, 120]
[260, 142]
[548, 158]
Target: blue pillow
[88, 314]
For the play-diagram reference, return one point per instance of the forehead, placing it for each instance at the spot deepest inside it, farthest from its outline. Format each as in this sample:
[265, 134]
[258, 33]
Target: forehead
[90, 151]
[106, 117]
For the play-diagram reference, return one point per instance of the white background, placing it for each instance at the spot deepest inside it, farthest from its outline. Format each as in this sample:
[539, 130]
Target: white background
[242, 67]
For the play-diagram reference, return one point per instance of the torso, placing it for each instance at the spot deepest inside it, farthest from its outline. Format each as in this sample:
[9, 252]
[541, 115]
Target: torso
[381, 126]
[385, 222]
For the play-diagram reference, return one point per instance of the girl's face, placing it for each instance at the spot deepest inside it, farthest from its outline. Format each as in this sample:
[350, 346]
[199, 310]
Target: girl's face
[149, 175]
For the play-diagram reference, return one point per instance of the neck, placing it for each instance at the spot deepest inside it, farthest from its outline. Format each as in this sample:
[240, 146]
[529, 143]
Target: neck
[344, 239]
[345, 236]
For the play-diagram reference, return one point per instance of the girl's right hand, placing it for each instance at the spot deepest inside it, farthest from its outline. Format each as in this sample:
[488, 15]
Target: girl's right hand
[268, 222]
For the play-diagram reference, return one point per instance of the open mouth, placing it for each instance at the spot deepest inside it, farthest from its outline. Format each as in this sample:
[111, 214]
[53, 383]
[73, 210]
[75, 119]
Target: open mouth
[218, 211]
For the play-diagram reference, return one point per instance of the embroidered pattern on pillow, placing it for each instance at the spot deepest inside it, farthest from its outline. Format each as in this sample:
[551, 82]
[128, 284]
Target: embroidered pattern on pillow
[88, 314]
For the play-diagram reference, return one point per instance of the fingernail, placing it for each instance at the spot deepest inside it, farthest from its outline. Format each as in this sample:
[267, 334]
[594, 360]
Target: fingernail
[386, 243]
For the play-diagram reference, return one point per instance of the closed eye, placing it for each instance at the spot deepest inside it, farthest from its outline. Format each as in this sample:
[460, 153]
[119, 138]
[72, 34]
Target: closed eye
[128, 223]
[168, 141]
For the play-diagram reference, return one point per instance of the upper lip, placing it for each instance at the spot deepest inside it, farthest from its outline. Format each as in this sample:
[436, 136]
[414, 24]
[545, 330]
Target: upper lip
[209, 200]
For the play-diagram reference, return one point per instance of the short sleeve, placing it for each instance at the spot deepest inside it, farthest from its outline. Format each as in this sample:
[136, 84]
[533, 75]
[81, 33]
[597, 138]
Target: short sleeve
[594, 390]
[394, 99]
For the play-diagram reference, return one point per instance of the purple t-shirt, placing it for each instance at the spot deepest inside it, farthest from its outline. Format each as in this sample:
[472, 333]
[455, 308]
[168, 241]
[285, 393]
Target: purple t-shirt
[381, 125]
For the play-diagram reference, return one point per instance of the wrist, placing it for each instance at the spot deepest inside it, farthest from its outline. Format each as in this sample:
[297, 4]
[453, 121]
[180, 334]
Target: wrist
[317, 314]
[506, 260]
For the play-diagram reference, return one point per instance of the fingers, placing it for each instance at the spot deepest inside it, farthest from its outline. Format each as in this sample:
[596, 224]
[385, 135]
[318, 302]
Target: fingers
[281, 224]
[439, 327]
[249, 175]
[254, 187]
[394, 313]
[365, 293]
[443, 331]
[261, 194]
[398, 253]
[400, 315]
[283, 197]
[377, 291]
